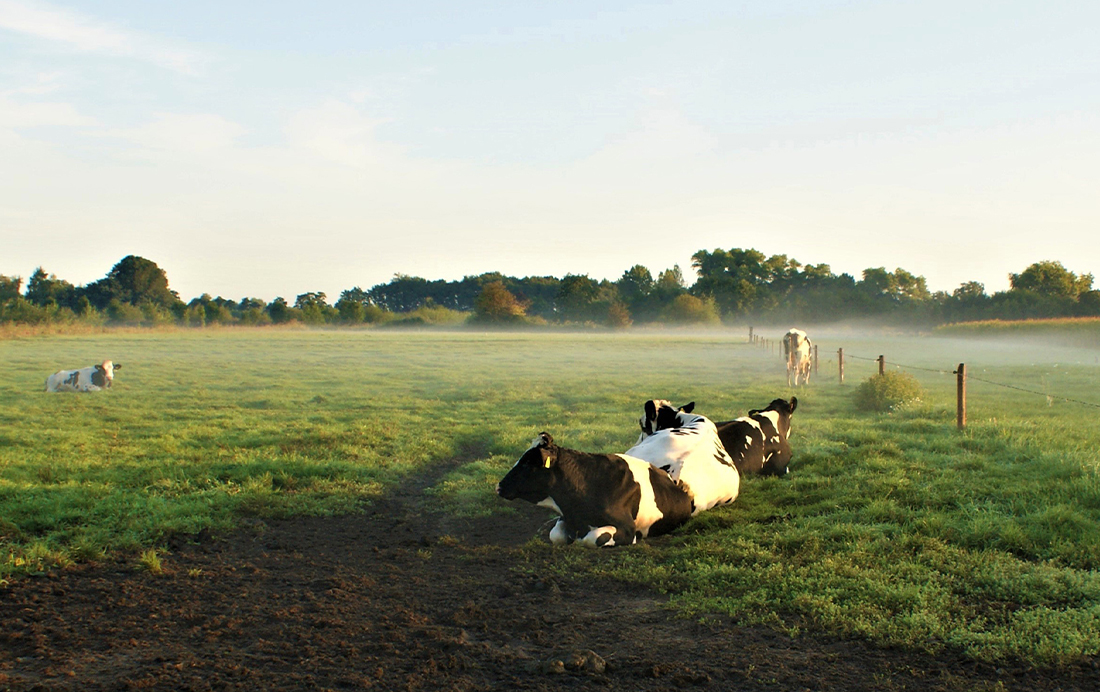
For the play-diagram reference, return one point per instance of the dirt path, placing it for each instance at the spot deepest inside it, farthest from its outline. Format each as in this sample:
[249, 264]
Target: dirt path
[406, 599]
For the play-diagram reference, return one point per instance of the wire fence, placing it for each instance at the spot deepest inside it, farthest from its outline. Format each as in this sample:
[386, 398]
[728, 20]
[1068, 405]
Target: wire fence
[960, 373]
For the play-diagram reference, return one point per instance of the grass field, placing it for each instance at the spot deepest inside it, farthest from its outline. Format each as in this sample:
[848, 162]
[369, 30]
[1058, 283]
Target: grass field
[894, 527]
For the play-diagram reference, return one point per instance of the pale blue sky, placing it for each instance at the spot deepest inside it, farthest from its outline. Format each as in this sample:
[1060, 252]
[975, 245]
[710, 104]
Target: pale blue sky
[274, 148]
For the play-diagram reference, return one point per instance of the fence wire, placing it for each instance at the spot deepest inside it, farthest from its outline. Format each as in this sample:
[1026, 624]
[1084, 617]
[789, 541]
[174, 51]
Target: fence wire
[979, 379]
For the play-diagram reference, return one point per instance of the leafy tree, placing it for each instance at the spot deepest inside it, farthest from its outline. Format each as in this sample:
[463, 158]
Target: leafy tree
[576, 294]
[43, 290]
[618, 315]
[497, 304]
[970, 291]
[10, 287]
[1051, 279]
[635, 284]
[134, 280]
[280, 312]
[687, 309]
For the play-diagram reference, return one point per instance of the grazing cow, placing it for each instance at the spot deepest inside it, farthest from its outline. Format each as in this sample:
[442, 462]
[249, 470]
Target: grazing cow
[91, 379]
[758, 442]
[687, 446]
[797, 349]
[603, 500]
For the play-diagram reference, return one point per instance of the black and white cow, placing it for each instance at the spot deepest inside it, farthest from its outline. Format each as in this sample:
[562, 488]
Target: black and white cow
[687, 446]
[797, 349]
[603, 500]
[90, 379]
[758, 442]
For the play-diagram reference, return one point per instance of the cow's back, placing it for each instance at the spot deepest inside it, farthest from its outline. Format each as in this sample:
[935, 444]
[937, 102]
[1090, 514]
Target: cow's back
[756, 444]
[664, 504]
[696, 458]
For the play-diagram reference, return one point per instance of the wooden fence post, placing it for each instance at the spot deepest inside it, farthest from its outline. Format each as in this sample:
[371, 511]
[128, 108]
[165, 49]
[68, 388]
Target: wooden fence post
[815, 361]
[960, 418]
[882, 365]
[840, 359]
[750, 335]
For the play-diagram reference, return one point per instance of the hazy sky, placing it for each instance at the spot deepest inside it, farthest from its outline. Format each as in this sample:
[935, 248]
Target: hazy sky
[272, 148]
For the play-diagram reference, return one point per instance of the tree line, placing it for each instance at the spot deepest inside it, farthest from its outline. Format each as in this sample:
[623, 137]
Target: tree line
[736, 285]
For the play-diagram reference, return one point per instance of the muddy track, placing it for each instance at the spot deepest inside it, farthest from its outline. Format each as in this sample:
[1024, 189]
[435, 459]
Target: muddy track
[406, 598]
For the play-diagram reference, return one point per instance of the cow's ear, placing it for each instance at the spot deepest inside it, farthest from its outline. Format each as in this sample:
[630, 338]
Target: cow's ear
[117, 366]
[545, 440]
[794, 403]
[753, 411]
[651, 410]
[99, 368]
[688, 407]
[547, 458]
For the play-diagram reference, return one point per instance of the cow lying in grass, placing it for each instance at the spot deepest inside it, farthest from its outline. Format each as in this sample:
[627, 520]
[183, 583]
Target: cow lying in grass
[687, 446]
[90, 379]
[604, 500]
[757, 443]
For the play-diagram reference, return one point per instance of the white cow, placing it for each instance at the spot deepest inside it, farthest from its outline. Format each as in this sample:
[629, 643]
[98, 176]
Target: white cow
[688, 448]
[797, 349]
[90, 379]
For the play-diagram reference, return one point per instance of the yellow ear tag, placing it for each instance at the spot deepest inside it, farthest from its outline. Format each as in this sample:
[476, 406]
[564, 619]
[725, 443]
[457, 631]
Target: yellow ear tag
[548, 460]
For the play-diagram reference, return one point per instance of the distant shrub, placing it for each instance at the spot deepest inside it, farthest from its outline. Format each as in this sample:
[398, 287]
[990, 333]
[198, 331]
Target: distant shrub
[687, 309]
[887, 391]
[618, 316]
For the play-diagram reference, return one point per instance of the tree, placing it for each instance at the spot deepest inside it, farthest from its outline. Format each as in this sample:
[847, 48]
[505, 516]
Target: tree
[314, 309]
[635, 284]
[576, 294]
[496, 303]
[134, 280]
[10, 287]
[687, 309]
[618, 315]
[970, 291]
[1051, 279]
[43, 289]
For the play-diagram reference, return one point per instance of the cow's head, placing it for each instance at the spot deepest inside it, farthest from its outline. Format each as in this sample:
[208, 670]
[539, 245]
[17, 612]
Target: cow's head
[661, 415]
[104, 373]
[532, 476]
[784, 409]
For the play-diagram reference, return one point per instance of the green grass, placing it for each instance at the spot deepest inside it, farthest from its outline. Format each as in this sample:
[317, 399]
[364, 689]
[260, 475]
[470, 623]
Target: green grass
[894, 527]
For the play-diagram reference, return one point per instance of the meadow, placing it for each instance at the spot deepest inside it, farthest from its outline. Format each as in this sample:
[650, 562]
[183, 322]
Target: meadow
[894, 527]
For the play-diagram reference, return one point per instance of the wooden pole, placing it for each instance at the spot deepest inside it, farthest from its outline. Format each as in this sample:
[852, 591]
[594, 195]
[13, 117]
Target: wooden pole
[815, 361]
[750, 335]
[882, 365]
[840, 359]
[961, 416]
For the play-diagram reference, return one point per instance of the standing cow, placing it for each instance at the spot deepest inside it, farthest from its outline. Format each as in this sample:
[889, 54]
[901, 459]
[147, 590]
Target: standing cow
[604, 500]
[758, 442]
[687, 446]
[90, 379]
[797, 349]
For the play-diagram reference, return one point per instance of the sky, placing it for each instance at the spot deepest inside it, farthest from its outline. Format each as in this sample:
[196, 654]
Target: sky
[274, 148]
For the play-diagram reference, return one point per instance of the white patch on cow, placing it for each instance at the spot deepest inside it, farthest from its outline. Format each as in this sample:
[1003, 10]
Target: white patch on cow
[691, 460]
[558, 535]
[549, 504]
[772, 416]
[750, 421]
[748, 441]
[648, 512]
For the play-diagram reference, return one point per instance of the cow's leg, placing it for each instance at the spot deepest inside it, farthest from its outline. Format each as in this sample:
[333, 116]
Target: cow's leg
[609, 536]
[559, 535]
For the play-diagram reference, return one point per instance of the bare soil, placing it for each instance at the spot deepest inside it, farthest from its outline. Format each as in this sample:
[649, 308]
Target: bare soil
[407, 598]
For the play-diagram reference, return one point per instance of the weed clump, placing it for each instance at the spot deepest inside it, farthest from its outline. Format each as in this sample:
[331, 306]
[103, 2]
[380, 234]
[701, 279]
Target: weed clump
[888, 391]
